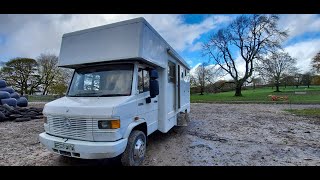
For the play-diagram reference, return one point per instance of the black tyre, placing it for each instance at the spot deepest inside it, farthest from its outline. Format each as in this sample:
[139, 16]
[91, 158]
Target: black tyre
[10, 101]
[15, 95]
[22, 119]
[2, 116]
[4, 95]
[8, 89]
[22, 102]
[3, 83]
[135, 150]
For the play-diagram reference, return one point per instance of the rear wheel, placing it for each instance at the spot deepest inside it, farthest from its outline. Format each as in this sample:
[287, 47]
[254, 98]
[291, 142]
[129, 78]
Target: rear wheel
[135, 150]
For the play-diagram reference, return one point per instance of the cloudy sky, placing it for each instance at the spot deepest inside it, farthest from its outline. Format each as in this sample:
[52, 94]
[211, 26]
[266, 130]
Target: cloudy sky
[30, 35]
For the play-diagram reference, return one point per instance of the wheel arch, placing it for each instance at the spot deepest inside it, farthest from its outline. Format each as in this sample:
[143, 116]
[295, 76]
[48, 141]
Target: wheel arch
[141, 126]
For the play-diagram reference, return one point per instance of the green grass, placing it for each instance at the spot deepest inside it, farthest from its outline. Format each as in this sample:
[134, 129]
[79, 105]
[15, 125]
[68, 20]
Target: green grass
[305, 112]
[260, 95]
[41, 98]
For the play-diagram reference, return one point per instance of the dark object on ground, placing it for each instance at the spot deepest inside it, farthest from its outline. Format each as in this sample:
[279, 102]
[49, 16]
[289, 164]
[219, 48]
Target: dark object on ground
[4, 95]
[7, 93]
[9, 113]
[3, 83]
[15, 95]
[8, 89]
[10, 101]
[2, 116]
[22, 102]
[22, 119]
[26, 96]
[14, 116]
[8, 108]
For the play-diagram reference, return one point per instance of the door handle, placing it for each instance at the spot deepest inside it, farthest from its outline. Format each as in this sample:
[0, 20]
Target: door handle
[140, 104]
[155, 101]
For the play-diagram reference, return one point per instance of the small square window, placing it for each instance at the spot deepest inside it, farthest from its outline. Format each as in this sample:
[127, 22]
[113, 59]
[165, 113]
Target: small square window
[171, 72]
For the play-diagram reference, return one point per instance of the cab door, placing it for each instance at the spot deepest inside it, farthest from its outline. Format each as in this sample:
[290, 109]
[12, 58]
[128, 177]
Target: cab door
[147, 110]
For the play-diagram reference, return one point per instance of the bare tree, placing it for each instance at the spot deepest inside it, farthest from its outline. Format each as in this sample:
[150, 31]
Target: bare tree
[274, 66]
[251, 36]
[287, 80]
[48, 70]
[61, 81]
[205, 74]
[201, 75]
[256, 81]
[316, 62]
[193, 81]
[306, 78]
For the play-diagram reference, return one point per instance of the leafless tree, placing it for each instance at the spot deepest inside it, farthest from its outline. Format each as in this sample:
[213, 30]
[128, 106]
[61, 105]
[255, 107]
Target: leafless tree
[274, 66]
[306, 79]
[61, 81]
[193, 81]
[316, 62]
[251, 36]
[48, 70]
[204, 75]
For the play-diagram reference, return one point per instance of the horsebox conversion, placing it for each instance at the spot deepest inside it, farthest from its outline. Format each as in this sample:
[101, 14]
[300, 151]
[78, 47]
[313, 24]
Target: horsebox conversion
[128, 82]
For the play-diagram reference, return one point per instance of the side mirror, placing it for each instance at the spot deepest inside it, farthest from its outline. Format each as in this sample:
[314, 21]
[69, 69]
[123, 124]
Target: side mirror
[154, 84]
[154, 88]
[153, 74]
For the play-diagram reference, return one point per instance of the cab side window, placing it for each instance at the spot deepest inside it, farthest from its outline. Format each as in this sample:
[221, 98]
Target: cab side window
[171, 72]
[143, 80]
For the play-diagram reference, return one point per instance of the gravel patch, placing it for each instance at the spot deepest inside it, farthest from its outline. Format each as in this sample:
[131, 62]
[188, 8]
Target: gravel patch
[218, 134]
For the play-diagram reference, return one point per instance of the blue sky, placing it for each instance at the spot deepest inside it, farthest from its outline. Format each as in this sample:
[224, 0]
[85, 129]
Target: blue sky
[30, 35]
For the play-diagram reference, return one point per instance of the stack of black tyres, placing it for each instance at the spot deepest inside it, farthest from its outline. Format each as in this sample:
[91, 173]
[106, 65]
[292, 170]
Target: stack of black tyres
[10, 97]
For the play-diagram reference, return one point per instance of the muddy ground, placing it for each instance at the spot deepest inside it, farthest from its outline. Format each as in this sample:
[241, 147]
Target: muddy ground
[218, 134]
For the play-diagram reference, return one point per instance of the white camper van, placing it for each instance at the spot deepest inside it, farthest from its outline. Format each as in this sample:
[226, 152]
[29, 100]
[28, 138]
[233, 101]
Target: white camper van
[128, 82]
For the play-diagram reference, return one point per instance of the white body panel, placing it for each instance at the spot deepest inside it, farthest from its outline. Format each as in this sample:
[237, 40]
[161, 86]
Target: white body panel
[134, 41]
[87, 150]
[124, 40]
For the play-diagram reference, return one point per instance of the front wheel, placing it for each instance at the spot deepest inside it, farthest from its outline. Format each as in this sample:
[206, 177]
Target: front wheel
[135, 150]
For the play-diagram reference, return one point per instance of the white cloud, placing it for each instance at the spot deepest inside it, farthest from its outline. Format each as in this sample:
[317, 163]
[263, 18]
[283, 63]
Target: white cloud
[196, 46]
[210, 66]
[190, 63]
[30, 35]
[193, 70]
[304, 52]
[298, 24]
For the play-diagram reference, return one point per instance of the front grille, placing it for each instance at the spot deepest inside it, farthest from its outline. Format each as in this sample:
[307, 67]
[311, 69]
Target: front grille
[71, 127]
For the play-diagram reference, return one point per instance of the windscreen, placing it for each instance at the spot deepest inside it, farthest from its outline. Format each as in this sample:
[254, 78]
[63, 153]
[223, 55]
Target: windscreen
[102, 81]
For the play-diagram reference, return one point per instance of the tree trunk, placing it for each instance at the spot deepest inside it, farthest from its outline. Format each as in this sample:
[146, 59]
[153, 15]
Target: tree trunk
[21, 90]
[201, 91]
[25, 88]
[44, 91]
[277, 84]
[238, 89]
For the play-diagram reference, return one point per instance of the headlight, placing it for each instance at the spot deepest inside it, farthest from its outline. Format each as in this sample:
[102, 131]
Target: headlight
[109, 124]
[45, 120]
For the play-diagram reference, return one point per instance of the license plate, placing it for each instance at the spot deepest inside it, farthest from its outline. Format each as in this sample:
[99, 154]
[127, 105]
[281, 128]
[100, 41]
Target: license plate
[64, 146]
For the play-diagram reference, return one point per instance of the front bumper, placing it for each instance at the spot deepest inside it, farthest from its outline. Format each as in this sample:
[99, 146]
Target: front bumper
[85, 149]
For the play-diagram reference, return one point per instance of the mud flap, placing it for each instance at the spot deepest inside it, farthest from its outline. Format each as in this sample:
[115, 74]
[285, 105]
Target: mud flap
[183, 119]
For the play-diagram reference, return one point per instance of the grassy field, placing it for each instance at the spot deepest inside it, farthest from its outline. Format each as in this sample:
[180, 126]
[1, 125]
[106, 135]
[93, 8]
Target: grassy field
[40, 98]
[262, 95]
[305, 112]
